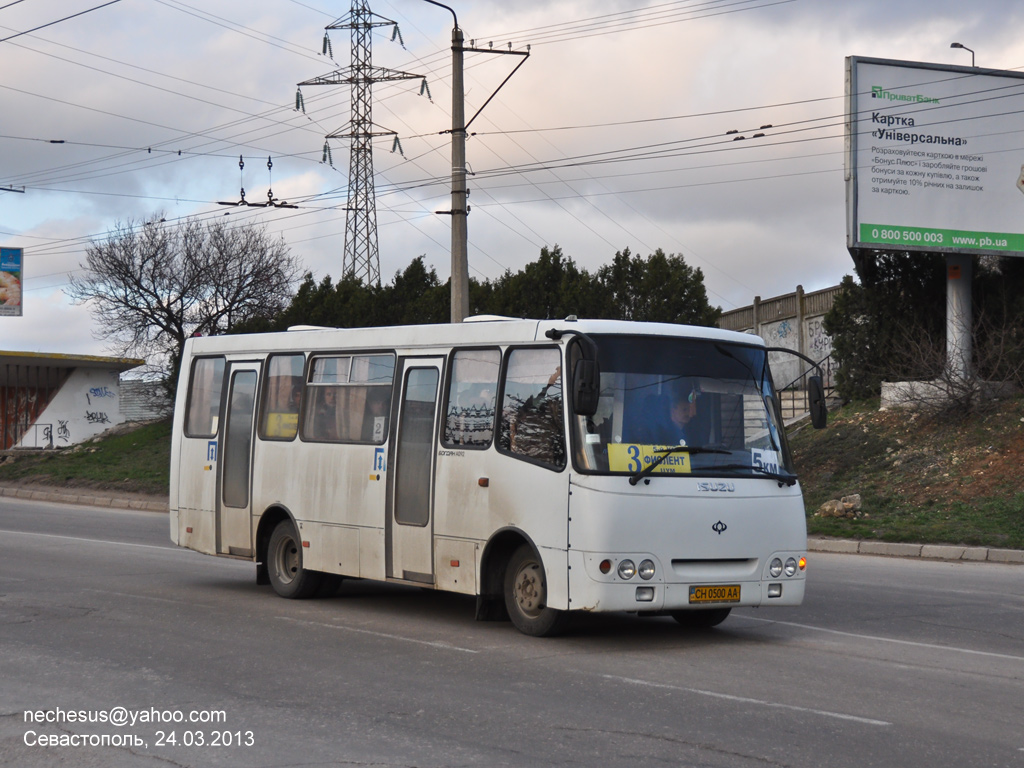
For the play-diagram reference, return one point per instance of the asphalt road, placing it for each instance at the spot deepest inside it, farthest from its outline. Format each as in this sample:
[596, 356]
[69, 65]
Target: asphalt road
[888, 663]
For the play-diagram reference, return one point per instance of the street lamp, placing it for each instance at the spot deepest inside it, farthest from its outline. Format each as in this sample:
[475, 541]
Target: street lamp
[961, 45]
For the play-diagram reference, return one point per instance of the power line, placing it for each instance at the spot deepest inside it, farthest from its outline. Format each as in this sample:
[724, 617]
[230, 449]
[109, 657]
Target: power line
[58, 21]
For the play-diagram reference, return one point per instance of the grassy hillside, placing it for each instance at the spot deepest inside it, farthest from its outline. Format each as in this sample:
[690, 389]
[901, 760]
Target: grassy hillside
[136, 461]
[920, 480]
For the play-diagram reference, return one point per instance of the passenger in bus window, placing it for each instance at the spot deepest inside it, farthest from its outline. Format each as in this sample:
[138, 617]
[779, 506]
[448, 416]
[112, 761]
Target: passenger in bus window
[325, 417]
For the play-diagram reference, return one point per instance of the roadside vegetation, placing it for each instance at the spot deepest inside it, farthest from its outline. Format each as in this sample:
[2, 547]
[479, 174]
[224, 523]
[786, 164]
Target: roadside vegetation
[129, 461]
[920, 478]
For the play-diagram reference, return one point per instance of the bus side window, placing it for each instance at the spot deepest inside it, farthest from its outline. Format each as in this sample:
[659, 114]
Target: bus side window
[469, 420]
[203, 415]
[531, 411]
[349, 399]
[281, 397]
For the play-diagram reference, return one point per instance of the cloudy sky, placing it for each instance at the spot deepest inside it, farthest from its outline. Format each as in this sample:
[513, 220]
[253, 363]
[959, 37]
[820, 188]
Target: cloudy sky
[612, 135]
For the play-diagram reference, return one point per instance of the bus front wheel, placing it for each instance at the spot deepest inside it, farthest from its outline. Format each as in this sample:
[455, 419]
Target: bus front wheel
[526, 595]
[284, 564]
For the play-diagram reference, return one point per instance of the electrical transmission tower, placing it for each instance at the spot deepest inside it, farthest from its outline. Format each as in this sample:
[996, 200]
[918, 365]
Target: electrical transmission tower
[362, 258]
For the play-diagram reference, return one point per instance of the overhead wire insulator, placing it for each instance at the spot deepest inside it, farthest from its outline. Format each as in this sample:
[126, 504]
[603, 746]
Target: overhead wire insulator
[397, 33]
[397, 146]
[300, 103]
[425, 89]
[328, 50]
[327, 155]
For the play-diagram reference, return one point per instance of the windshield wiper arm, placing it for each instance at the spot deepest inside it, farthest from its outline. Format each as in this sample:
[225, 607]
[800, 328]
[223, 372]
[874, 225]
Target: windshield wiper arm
[634, 479]
[778, 476]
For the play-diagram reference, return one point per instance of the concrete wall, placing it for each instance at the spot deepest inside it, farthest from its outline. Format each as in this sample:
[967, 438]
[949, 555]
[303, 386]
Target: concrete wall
[792, 321]
[87, 404]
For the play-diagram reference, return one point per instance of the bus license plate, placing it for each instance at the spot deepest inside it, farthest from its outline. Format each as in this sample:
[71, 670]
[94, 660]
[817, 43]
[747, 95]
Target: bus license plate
[723, 593]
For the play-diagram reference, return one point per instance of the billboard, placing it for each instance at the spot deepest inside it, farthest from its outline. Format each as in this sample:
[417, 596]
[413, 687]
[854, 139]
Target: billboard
[934, 157]
[10, 282]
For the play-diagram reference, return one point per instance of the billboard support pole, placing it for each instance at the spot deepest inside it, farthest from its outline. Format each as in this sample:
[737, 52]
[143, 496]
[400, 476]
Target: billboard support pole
[958, 316]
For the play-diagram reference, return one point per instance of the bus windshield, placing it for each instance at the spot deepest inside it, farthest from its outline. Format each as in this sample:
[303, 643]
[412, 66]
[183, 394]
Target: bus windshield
[693, 407]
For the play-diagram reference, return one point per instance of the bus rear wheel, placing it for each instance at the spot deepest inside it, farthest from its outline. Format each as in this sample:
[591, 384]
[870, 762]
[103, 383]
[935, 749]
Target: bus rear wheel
[526, 595]
[701, 619]
[284, 564]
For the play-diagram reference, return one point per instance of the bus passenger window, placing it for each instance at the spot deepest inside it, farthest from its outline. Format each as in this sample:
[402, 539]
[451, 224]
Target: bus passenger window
[349, 399]
[282, 396]
[469, 420]
[204, 388]
[531, 412]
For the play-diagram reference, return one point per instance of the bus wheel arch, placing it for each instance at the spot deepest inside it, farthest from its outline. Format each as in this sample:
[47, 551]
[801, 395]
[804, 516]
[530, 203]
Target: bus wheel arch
[490, 602]
[513, 583]
[279, 555]
[268, 521]
[526, 595]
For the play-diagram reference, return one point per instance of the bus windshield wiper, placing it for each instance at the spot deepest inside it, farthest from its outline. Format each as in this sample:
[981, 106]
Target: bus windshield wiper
[781, 478]
[665, 453]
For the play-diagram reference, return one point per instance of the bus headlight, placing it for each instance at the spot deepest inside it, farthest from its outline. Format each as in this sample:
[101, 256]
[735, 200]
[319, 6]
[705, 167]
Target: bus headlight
[627, 569]
[775, 568]
[646, 570]
[790, 566]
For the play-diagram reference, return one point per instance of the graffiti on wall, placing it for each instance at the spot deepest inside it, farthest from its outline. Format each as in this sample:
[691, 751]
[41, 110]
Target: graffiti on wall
[97, 393]
[819, 343]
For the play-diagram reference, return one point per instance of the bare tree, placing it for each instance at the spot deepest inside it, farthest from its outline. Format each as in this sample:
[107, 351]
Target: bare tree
[151, 285]
[938, 390]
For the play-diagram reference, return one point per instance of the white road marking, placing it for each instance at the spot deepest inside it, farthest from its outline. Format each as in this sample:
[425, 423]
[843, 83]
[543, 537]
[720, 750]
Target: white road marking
[385, 635]
[91, 541]
[913, 643]
[745, 700]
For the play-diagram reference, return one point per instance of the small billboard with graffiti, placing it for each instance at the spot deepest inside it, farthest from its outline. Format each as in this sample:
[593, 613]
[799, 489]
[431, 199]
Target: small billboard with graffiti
[10, 282]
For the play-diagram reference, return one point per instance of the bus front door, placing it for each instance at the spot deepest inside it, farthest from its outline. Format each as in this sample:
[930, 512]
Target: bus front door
[234, 516]
[411, 474]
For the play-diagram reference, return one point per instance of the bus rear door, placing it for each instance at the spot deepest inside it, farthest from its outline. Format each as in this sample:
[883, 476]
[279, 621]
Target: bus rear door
[410, 525]
[234, 502]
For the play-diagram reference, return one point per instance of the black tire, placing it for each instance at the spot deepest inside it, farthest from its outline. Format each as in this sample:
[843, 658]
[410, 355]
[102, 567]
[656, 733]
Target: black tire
[526, 592]
[705, 618]
[284, 564]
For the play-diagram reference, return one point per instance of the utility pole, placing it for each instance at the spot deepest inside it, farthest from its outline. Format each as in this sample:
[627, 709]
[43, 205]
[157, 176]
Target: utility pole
[361, 255]
[460, 192]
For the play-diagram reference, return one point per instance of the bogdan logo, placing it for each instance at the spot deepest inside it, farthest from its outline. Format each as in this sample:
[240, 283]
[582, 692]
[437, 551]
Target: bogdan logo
[877, 92]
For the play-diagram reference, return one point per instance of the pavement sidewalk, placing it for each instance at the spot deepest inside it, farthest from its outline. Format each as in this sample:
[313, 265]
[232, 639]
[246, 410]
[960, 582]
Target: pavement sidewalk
[117, 500]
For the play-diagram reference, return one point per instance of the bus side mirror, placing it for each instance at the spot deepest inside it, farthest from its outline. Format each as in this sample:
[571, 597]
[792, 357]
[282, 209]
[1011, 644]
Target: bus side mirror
[816, 396]
[586, 387]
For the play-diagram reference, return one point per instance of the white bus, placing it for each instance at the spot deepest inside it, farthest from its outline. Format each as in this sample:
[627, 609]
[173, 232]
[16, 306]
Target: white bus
[545, 467]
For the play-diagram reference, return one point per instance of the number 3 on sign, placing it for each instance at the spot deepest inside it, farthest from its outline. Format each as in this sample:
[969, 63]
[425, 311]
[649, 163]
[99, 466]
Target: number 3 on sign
[634, 458]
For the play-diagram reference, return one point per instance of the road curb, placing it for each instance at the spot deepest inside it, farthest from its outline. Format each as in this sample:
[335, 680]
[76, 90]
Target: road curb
[922, 551]
[89, 499]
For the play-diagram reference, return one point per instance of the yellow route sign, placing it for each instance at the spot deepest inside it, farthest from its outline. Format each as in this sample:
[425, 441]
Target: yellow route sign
[633, 457]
